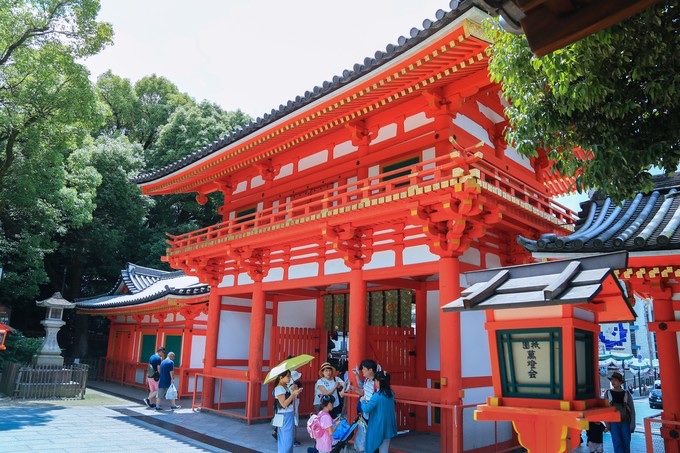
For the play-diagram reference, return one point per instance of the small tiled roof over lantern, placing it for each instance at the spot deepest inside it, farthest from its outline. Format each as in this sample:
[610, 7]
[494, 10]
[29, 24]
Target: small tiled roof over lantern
[588, 280]
[648, 222]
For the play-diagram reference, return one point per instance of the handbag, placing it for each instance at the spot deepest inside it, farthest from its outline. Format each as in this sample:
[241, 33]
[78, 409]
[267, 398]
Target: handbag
[171, 393]
[360, 438]
[277, 421]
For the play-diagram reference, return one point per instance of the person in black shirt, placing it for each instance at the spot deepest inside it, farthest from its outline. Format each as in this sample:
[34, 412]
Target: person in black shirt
[595, 435]
[623, 402]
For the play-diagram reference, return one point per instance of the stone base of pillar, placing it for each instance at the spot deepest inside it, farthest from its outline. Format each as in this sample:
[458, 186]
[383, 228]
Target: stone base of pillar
[47, 360]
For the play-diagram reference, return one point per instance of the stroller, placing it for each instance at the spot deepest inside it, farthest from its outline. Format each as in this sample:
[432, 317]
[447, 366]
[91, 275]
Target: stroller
[343, 434]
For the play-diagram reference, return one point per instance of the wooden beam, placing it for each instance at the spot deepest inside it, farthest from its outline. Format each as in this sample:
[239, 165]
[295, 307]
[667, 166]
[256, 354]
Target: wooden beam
[548, 31]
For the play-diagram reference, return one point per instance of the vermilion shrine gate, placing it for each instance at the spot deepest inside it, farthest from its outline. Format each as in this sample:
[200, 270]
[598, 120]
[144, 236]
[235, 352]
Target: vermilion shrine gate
[391, 179]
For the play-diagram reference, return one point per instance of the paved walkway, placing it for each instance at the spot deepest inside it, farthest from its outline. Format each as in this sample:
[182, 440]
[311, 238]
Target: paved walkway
[112, 418]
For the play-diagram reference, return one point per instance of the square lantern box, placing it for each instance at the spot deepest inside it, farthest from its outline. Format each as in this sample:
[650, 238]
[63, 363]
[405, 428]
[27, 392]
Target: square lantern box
[542, 323]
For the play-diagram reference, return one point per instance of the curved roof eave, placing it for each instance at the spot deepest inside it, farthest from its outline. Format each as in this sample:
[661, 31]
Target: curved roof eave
[370, 65]
[648, 223]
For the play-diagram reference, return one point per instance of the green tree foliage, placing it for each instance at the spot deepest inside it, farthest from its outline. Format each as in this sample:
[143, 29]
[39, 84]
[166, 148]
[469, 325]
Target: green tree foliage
[138, 111]
[615, 93]
[69, 216]
[97, 249]
[20, 349]
[47, 105]
[189, 128]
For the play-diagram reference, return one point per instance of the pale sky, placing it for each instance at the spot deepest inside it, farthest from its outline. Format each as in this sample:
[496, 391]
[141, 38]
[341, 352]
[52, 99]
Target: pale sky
[254, 54]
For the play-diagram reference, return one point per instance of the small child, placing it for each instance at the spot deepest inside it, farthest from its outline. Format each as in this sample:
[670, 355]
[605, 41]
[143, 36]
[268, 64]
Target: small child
[325, 443]
[594, 433]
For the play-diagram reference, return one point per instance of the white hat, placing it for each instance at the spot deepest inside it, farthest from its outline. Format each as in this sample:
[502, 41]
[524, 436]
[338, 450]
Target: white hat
[295, 375]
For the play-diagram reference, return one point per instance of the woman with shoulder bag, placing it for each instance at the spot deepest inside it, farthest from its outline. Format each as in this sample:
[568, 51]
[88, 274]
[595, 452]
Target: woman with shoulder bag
[284, 415]
[382, 426]
[621, 399]
[329, 384]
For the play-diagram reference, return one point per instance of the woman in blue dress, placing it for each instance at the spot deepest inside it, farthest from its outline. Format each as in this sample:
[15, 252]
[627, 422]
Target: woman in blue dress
[382, 425]
[284, 403]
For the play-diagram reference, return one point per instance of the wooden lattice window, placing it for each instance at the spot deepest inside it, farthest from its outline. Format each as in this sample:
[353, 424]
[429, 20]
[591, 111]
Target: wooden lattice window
[336, 312]
[389, 308]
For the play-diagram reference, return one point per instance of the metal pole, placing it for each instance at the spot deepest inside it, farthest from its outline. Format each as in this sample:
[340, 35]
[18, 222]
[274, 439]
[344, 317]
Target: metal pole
[639, 383]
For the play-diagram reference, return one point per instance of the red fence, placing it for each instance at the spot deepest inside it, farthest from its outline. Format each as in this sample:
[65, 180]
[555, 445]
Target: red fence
[295, 341]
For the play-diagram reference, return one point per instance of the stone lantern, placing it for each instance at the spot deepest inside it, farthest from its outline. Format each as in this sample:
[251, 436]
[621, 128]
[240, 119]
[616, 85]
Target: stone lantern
[50, 352]
[542, 323]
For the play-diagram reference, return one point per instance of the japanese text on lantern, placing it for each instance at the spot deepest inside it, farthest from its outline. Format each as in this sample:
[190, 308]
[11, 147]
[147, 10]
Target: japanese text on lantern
[532, 361]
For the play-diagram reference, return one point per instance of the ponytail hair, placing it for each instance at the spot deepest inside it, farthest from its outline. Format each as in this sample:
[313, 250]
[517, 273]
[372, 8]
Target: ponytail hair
[383, 377]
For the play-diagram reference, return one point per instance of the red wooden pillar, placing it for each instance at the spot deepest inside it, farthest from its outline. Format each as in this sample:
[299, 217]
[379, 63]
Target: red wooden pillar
[322, 345]
[421, 353]
[211, 337]
[357, 317]
[666, 328]
[256, 351]
[451, 373]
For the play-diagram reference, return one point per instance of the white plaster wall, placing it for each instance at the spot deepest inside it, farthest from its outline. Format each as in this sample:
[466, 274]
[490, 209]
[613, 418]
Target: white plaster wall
[492, 260]
[197, 351]
[303, 270]
[232, 391]
[336, 266]
[202, 317]
[234, 337]
[343, 148]
[227, 280]
[241, 302]
[241, 186]
[475, 344]
[313, 160]
[471, 127]
[432, 335]
[286, 170]
[257, 181]
[428, 154]
[301, 313]
[417, 120]
[275, 274]
[477, 395]
[244, 279]
[386, 132]
[490, 113]
[418, 254]
[381, 259]
[471, 256]
[481, 434]
[233, 340]
[192, 382]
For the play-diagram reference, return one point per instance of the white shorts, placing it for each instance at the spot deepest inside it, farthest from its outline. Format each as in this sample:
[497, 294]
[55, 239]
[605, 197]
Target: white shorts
[595, 447]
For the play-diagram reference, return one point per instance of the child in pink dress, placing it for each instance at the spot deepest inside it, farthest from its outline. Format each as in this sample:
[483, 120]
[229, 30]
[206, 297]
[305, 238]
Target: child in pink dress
[325, 443]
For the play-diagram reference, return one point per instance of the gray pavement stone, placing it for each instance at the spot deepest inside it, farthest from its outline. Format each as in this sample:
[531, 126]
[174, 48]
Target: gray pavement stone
[106, 423]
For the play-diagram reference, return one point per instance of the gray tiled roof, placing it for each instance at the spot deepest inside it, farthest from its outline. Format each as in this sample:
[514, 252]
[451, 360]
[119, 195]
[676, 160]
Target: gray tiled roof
[404, 43]
[649, 221]
[576, 281]
[138, 285]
